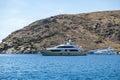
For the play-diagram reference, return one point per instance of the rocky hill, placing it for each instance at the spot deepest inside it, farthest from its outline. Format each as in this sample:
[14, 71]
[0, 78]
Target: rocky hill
[90, 30]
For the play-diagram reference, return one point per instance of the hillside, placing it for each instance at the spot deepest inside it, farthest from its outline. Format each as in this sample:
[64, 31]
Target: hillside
[90, 30]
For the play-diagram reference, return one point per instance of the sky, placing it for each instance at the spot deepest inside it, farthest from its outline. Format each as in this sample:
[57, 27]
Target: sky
[16, 14]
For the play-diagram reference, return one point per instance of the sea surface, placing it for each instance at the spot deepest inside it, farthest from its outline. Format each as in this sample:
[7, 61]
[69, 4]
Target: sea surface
[37, 67]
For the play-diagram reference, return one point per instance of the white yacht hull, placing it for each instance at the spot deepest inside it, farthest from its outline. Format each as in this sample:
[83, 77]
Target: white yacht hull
[62, 53]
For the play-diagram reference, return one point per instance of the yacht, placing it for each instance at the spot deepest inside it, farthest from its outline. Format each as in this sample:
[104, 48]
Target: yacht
[67, 49]
[104, 51]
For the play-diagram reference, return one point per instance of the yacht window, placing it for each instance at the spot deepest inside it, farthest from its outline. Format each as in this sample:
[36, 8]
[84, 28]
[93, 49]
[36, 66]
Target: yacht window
[65, 47]
[55, 50]
[73, 50]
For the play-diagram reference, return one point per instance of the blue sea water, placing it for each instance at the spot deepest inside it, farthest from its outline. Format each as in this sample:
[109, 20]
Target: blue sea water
[37, 67]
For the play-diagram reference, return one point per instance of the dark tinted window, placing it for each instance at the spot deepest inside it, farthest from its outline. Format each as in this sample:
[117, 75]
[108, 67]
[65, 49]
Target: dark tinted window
[55, 50]
[73, 50]
[65, 47]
